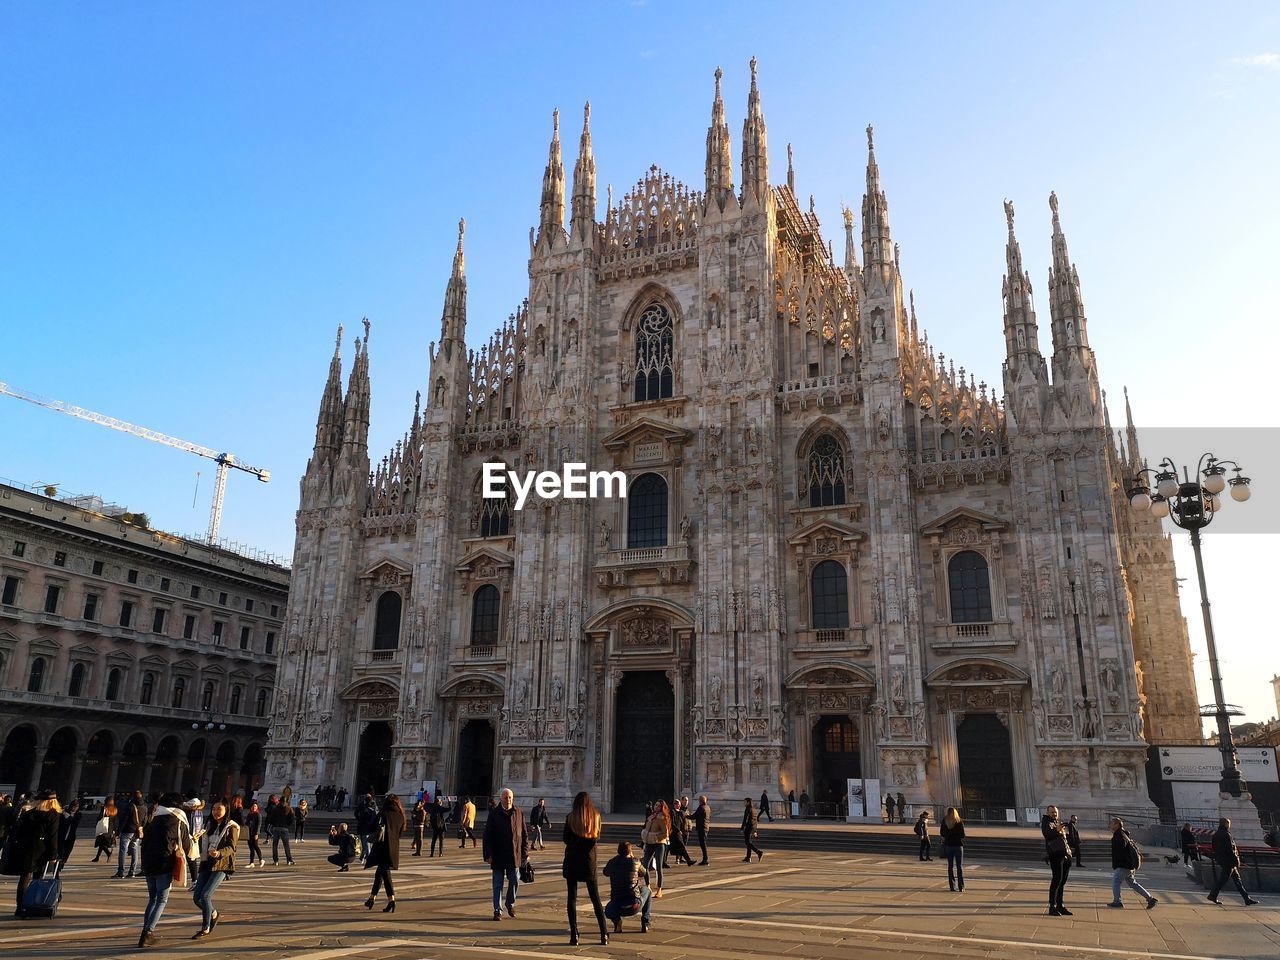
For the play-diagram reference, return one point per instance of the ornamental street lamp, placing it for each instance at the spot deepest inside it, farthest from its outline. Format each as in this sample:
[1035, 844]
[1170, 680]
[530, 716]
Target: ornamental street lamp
[210, 723]
[1192, 503]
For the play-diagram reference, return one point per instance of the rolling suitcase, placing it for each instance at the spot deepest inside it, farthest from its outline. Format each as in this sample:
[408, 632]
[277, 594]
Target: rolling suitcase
[44, 894]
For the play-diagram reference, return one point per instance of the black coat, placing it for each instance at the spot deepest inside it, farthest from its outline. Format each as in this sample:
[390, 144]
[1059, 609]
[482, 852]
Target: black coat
[346, 844]
[952, 836]
[506, 845]
[702, 818]
[1122, 851]
[166, 835]
[67, 834]
[34, 843]
[1224, 849]
[386, 852]
[579, 856]
[748, 821]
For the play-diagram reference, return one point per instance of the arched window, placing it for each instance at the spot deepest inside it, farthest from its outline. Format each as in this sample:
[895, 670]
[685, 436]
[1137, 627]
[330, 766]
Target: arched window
[654, 354]
[386, 623]
[495, 515]
[206, 698]
[36, 678]
[113, 684]
[260, 705]
[825, 475]
[970, 585]
[76, 687]
[830, 591]
[486, 605]
[179, 691]
[236, 692]
[148, 689]
[647, 512]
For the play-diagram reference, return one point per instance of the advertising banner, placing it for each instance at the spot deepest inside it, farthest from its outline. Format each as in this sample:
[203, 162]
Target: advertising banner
[871, 791]
[1204, 764]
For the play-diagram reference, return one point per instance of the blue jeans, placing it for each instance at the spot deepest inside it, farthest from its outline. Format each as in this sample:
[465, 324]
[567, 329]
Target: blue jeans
[157, 896]
[207, 882]
[128, 841]
[1122, 875]
[278, 835]
[513, 884]
[955, 866]
[615, 910]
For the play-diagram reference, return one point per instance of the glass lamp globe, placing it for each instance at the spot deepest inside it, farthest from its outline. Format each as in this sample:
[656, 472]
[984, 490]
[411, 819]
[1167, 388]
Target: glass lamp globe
[1160, 509]
[1215, 483]
[1168, 486]
[1240, 492]
[1140, 500]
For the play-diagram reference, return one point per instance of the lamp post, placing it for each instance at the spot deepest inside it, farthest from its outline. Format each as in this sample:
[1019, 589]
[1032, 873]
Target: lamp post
[210, 723]
[1192, 503]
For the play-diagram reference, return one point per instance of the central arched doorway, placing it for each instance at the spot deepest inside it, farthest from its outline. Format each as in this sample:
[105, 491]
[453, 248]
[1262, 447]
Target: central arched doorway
[644, 740]
[986, 766]
[59, 762]
[836, 758]
[373, 769]
[475, 759]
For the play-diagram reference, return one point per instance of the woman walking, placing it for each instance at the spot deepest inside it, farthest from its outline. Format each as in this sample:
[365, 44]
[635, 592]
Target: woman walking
[104, 832]
[163, 853]
[418, 820]
[1059, 853]
[581, 831]
[952, 831]
[657, 828]
[749, 823]
[218, 863]
[385, 854]
[70, 826]
[253, 827]
[34, 843]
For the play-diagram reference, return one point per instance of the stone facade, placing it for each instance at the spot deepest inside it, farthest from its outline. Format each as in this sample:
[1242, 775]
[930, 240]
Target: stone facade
[130, 658]
[840, 555]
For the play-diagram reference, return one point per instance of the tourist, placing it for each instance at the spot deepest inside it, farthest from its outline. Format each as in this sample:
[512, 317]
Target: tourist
[418, 819]
[702, 823]
[348, 845]
[805, 810]
[888, 806]
[748, 834]
[253, 827]
[538, 819]
[218, 863]
[765, 806]
[952, 833]
[33, 843]
[68, 828]
[656, 831]
[236, 811]
[366, 824]
[680, 832]
[505, 849]
[104, 831]
[163, 851]
[280, 822]
[1125, 861]
[1073, 838]
[581, 831]
[628, 889]
[385, 855]
[902, 808]
[1189, 851]
[1227, 857]
[8, 813]
[129, 823]
[922, 832]
[1059, 853]
[300, 820]
[467, 826]
[437, 815]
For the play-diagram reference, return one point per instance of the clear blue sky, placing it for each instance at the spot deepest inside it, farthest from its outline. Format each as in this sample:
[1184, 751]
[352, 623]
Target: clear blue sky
[194, 196]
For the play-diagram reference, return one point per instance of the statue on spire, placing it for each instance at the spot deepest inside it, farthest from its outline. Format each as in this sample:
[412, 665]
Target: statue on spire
[871, 139]
[365, 321]
[1008, 214]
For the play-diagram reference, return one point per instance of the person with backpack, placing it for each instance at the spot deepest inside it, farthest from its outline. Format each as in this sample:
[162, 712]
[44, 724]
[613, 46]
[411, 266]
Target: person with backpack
[888, 806]
[922, 832]
[33, 846]
[1125, 861]
[163, 854]
[348, 845]
[1227, 857]
[129, 829]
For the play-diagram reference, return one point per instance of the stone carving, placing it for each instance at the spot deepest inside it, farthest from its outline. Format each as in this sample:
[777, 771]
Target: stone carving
[714, 700]
[603, 532]
[757, 695]
[557, 696]
[1092, 720]
[646, 632]
[892, 601]
[1120, 778]
[685, 527]
[1061, 726]
[756, 610]
[1048, 609]
[898, 688]
[1058, 687]
[1037, 714]
[1098, 584]
[824, 546]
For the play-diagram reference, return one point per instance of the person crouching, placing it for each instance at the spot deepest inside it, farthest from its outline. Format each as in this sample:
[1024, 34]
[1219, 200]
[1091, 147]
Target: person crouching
[629, 892]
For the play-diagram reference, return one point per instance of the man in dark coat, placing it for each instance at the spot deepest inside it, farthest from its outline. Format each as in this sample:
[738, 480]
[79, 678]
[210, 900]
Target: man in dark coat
[628, 889]
[437, 815]
[130, 816]
[1073, 838]
[367, 823]
[505, 849]
[1227, 857]
[765, 810]
[702, 823]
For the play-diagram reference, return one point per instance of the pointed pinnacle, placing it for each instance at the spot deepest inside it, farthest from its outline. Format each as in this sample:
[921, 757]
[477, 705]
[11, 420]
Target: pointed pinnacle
[555, 124]
[753, 72]
[1008, 213]
[871, 142]
[1053, 205]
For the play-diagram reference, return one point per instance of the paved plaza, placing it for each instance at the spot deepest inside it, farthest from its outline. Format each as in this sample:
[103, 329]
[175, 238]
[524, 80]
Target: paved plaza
[798, 904]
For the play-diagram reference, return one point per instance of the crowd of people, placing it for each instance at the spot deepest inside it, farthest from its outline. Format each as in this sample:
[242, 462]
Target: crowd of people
[170, 840]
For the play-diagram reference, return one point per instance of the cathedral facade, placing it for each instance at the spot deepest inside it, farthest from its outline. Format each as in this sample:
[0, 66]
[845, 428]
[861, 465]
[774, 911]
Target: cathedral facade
[839, 555]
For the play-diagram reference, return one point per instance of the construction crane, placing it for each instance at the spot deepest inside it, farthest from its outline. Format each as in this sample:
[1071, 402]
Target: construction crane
[225, 461]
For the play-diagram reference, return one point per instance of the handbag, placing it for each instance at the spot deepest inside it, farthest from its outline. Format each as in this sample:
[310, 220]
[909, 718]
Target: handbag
[526, 872]
[179, 869]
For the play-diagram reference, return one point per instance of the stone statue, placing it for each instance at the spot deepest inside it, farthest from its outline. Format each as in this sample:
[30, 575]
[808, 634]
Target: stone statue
[582, 693]
[603, 534]
[757, 695]
[685, 527]
[522, 695]
[715, 701]
[1110, 678]
[557, 692]
[898, 685]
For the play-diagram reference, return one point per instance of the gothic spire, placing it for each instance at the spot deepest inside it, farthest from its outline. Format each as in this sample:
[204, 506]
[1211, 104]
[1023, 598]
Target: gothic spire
[583, 214]
[551, 219]
[1065, 306]
[355, 429]
[1131, 435]
[719, 156]
[1021, 333]
[329, 422]
[877, 241]
[851, 268]
[453, 322]
[755, 147]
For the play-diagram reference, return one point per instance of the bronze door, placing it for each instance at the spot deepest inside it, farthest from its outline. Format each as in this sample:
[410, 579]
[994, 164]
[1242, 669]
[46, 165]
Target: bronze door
[644, 741]
[373, 769]
[475, 761]
[986, 767]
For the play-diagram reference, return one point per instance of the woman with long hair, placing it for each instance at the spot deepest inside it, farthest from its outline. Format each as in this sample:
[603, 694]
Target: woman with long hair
[385, 853]
[952, 831]
[749, 831]
[34, 843]
[657, 828]
[581, 831]
[219, 862]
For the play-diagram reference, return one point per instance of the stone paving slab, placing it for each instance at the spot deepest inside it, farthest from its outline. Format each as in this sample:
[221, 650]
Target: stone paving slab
[805, 905]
